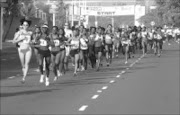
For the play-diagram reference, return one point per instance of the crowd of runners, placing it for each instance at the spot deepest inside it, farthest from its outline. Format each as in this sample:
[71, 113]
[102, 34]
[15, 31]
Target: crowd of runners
[85, 48]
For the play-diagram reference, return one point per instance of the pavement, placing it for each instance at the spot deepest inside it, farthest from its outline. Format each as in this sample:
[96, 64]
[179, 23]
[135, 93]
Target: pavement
[146, 85]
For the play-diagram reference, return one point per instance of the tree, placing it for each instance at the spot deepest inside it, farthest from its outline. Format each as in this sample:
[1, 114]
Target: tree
[61, 13]
[166, 13]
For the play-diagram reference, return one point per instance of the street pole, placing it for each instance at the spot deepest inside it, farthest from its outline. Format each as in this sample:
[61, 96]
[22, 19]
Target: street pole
[54, 18]
[1, 31]
[72, 15]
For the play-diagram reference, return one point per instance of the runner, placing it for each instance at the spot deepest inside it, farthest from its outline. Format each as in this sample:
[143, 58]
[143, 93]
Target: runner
[159, 41]
[150, 38]
[74, 42]
[44, 53]
[116, 42]
[23, 39]
[68, 35]
[108, 45]
[144, 40]
[57, 52]
[35, 37]
[125, 44]
[83, 50]
[91, 46]
[98, 47]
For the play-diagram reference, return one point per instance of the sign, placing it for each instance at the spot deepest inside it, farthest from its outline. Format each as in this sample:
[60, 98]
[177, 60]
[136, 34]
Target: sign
[75, 17]
[111, 11]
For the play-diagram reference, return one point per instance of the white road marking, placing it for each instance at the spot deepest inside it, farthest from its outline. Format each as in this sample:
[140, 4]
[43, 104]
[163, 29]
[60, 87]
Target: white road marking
[83, 108]
[112, 81]
[123, 71]
[105, 87]
[4, 59]
[127, 68]
[12, 77]
[99, 91]
[95, 97]
[118, 76]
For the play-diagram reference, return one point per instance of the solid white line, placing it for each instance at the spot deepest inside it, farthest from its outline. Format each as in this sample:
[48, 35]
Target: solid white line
[105, 87]
[118, 76]
[112, 81]
[95, 97]
[12, 77]
[99, 91]
[83, 108]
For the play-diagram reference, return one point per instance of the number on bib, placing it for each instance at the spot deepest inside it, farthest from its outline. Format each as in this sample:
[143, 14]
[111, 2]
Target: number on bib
[43, 42]
[56, 42]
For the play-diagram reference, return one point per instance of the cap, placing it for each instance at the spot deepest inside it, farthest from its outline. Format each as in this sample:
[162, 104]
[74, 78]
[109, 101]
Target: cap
[66, 24]
[44, 26]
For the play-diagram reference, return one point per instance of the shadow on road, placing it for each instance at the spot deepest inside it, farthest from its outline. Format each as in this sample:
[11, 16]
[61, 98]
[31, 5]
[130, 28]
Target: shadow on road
[25, 92]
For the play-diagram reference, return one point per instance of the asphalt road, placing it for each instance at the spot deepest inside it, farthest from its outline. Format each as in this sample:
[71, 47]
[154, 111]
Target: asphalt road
[146, 85]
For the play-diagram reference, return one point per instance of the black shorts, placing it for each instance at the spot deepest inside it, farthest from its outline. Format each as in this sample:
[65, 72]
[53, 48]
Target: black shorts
[56, 52]
[97, 50]
[74, 52]
[45, 53]
[85, 51]
[109, 47]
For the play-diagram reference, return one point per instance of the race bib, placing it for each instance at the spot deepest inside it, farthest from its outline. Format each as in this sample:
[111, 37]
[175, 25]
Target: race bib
[159, 37]
[108, 38]
[56, 42]
[43, 42]
[62, 46]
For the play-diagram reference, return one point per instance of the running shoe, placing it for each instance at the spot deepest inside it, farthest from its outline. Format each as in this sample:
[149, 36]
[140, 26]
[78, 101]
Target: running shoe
[75, 74]
[55, 78]
[23, 81]
[41, 79]
[78, 69]
[82, 68]
[58, 73]
[107, 64]
[47, 81]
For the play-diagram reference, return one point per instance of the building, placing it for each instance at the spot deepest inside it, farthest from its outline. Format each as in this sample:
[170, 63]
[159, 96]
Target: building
[101, 12]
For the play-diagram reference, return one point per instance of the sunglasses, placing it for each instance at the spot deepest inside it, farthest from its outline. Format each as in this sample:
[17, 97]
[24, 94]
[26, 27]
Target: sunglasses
[25, 25]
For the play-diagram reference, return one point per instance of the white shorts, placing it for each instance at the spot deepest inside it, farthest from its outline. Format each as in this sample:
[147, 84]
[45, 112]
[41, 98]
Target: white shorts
[68, 49]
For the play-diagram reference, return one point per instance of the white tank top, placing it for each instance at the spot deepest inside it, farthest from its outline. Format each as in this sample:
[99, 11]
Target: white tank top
[75, 44]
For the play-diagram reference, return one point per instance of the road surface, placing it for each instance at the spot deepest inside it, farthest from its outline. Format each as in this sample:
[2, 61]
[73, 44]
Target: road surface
[146, 85]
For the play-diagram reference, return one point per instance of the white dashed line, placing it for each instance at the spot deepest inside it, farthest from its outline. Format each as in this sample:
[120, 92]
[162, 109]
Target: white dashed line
[118, 76]
[95, 97]
[83, 108]
[99, 91]
[12, 77]
[112, 81]
[123, 71]
[105, 87]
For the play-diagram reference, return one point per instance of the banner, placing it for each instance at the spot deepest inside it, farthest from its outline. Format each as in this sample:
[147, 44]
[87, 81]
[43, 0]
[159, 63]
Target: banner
[111, 11]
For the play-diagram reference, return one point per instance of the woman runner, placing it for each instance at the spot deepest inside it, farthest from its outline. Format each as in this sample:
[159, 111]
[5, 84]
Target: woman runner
[44, 53]
[98, 47]
[35, 37]
[74, 42]
[55, 51]
[91, 46]
[23, 39]
[83, 50]
[116, 42]
[108, 46]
